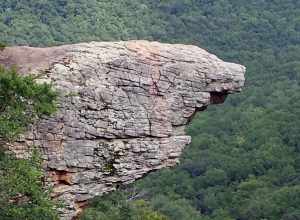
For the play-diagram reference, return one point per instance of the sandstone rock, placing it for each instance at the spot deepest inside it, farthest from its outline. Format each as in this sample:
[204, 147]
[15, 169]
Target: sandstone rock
[123, 107]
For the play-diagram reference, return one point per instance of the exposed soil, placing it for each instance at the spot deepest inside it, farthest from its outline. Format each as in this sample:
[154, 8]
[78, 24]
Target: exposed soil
[28, 59]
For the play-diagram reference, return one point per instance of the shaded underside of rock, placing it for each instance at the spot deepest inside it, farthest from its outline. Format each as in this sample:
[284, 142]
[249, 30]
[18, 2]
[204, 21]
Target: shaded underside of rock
[123, 109]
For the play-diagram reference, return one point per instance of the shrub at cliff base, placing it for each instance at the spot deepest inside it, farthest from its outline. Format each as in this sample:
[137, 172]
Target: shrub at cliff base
[118, 206]
[22, 194]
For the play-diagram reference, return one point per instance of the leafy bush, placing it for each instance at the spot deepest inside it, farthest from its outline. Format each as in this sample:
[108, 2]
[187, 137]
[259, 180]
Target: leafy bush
[22, 193]
[117, 206]
[22, 101]
[2, 46]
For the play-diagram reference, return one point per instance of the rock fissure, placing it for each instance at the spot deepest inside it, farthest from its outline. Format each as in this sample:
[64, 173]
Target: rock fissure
[123, 108]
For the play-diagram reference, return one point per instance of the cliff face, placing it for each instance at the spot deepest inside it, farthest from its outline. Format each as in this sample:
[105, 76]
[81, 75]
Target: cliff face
[123, 108]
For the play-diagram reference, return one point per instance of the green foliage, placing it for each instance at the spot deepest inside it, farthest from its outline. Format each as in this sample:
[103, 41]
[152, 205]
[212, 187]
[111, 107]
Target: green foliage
[244, 161]
[175, 208]
[109, 168]
[116, 206]
[2, 46]
[22, 195]
[22, 100]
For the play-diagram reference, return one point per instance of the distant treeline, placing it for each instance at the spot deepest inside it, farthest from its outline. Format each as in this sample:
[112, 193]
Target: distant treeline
[244, 161]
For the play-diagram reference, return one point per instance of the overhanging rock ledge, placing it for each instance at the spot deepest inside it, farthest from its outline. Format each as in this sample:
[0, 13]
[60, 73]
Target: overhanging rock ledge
[123, 108]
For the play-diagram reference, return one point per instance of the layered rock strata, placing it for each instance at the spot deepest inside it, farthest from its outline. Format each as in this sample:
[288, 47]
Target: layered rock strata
[123, 109]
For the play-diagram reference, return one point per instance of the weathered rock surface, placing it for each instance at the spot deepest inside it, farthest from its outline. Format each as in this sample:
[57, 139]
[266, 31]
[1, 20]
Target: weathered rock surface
[123, 108]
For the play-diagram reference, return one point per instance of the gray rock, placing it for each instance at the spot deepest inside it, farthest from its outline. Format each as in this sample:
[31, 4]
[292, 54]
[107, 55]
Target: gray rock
[123, 108]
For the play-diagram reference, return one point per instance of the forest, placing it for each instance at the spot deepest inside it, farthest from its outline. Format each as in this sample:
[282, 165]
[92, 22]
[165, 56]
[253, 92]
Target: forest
[244, 160]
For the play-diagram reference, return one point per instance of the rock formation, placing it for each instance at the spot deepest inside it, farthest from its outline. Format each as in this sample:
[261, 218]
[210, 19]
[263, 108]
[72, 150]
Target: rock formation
[123, 109]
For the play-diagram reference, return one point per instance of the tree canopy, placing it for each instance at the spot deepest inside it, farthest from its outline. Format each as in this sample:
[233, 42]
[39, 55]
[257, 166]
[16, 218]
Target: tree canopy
[22, 191]
[244, 160]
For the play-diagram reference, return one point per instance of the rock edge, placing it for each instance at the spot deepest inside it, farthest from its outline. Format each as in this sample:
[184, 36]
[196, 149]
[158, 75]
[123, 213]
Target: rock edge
[123, 109]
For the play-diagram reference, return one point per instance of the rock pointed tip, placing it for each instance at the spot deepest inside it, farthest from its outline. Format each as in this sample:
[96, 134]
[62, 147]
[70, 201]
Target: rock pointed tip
[236, 74]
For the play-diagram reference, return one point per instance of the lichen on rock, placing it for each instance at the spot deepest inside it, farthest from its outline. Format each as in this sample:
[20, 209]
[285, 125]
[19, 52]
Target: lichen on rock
[123, 109]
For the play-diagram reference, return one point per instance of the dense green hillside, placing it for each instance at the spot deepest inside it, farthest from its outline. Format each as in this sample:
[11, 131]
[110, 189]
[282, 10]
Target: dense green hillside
[244, 161]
